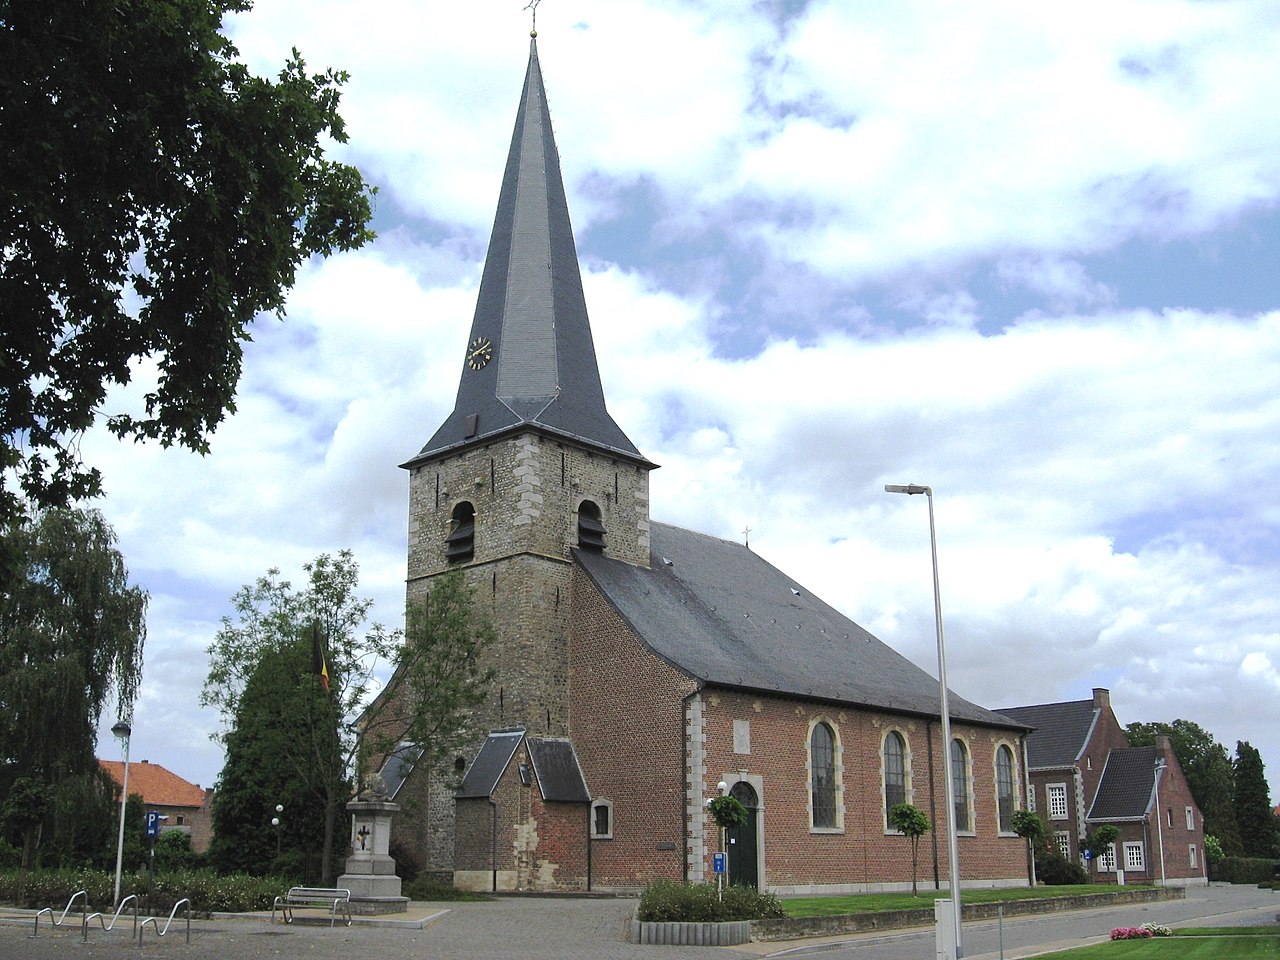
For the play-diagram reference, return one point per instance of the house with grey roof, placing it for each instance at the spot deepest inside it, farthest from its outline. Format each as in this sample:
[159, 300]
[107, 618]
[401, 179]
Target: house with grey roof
[1084, 774]
[642, 668]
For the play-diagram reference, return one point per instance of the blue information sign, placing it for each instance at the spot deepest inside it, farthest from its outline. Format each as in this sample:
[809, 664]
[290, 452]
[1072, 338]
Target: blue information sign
[718, 862]
[153, 823]
[1088, 854]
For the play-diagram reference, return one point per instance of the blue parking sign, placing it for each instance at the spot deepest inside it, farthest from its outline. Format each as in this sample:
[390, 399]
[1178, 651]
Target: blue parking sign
[718, 862]
[153, 823]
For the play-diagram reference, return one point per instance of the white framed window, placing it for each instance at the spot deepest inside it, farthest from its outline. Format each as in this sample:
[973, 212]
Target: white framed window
[1191, 851]
[602, 819]
[1057, 796]
[1063, 839]
[1107, 861]
[1135, 857]
[1191, 819]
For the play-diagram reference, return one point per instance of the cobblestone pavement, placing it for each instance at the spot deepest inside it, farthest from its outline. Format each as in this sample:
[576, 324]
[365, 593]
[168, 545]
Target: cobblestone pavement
[569, 929]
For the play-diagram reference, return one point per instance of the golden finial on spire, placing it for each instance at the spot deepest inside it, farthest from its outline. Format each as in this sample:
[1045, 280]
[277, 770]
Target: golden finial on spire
[533, 5]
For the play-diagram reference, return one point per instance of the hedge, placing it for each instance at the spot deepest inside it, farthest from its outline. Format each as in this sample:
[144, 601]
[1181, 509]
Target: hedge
[667, 901]
[207, 891]
[1245, 869]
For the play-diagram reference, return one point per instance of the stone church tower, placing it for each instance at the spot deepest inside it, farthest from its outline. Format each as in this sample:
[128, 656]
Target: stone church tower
[529, 465]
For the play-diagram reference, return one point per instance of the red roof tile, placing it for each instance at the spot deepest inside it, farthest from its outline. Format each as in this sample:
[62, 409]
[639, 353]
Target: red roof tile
[157, 786]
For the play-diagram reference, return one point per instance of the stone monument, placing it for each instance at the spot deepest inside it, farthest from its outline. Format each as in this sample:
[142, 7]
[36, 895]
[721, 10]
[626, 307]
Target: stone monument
[371, 871]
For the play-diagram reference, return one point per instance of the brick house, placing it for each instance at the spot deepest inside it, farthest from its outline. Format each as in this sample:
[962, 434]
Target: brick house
[1085, 774]
[641, 665]
[187, 806]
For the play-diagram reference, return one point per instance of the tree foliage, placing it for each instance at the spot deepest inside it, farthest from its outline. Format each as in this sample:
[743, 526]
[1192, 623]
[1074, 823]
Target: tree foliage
[71, 636]
[274, 709]
[1252, 800]
[1207, 766]
[157, 197]
[1099, 840]
[1030, 826]
[441, 676]
[912, 823]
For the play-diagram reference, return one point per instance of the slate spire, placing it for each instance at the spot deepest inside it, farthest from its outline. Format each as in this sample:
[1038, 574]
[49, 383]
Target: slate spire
[530, 359]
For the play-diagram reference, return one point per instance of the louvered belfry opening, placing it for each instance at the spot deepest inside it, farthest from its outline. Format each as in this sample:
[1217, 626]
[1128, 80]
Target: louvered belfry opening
[460, 545]
[590, 528]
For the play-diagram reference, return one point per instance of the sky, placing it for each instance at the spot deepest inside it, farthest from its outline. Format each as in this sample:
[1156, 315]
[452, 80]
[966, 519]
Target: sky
[1022, 253]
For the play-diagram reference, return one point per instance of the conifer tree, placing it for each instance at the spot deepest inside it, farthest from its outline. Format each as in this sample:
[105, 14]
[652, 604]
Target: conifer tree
[1253, 802]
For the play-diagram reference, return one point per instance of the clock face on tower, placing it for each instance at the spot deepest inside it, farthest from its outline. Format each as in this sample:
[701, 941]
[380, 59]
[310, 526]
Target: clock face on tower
[479, 352]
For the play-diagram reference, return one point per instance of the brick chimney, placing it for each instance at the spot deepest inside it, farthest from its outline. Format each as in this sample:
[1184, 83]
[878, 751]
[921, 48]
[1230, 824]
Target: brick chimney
[1102, 698]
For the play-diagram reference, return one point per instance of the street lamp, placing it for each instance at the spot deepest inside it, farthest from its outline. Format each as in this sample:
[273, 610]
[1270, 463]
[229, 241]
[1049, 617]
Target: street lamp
[953, 853]
[275, 822]
[123, 731]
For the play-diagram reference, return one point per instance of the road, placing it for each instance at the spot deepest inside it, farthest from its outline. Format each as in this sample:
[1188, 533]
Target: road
[570, 929]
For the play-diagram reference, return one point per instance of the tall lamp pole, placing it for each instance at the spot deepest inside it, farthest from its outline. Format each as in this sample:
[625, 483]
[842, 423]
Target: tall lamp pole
[123, 731]
[953, 853]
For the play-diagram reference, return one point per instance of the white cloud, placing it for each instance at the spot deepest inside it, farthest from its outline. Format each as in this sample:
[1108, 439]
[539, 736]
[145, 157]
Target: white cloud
[1102, 473]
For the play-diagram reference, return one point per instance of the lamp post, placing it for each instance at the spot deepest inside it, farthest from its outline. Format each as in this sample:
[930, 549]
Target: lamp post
[124, 731]
[953, 853]
[275, 822]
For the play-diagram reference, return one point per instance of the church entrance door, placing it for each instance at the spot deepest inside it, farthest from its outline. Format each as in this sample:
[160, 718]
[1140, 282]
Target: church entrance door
[743, 842]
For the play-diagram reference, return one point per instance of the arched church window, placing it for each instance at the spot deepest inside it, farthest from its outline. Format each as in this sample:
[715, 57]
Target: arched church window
[460, 544]
[822, 783]
[960, 782]
[895, 771]
[590, 527]
[1004, 788]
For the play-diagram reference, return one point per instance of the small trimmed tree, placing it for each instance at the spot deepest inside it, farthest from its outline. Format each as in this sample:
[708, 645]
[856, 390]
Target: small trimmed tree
[1100, 840]
[1030, 827]
[912, 823]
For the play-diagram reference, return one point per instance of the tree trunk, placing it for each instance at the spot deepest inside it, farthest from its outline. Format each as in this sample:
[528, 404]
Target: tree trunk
[327, 875]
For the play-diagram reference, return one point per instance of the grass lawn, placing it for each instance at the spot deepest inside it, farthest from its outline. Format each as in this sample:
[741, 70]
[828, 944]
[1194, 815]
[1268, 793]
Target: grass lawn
[871, 902]
[1222, 943]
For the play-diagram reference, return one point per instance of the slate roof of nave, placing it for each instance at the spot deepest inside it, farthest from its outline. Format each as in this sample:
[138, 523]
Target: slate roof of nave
[722, 614]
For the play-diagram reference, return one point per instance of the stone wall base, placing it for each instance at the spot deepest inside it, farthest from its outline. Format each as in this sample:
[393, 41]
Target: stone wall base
[730, 934]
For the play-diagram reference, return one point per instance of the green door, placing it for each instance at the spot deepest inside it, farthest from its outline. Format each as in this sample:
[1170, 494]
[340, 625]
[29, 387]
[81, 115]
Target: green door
[743, 842]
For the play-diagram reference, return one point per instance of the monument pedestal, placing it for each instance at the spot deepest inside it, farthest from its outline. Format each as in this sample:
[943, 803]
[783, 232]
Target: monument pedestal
[371, 871]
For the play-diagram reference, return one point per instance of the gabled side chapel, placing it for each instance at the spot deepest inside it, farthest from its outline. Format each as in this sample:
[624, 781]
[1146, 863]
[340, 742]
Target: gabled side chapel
[641, 665]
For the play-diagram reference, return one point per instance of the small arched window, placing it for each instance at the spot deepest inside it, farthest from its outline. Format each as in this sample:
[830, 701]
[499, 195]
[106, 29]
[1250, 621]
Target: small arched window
[460, 544]
[590, 527]
[1004, 788]
[822, 784]
[960, 783]
[895, 771]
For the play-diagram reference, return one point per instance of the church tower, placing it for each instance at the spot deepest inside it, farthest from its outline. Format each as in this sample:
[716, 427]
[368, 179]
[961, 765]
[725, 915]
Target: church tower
[529, 466]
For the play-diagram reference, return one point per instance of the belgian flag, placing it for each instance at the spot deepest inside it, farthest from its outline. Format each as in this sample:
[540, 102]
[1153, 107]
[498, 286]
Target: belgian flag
[319, 663]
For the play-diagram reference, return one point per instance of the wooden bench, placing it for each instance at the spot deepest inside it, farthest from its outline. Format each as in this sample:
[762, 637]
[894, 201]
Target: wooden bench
[331, 898]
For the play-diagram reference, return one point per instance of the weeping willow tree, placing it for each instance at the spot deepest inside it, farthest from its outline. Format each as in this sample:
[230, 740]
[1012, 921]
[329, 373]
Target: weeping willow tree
[71, 637]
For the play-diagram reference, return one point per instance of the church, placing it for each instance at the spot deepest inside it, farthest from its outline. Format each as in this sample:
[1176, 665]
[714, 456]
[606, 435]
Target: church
[644, 669]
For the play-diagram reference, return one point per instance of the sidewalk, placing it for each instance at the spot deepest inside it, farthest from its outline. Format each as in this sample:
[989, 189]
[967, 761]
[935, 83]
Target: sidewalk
[541, 928]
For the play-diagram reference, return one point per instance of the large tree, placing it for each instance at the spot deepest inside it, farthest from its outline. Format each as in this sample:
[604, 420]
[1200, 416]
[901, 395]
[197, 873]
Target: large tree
[1252, 799]
[264, 769]
[71, 636]
[261, 661]
[156, 197]
[1207, 766]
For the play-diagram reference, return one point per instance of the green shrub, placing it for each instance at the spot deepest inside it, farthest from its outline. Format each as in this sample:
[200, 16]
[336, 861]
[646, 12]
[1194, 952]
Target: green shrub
[667, 901]
[1053, 869]
[1245, 869]
[208, 892]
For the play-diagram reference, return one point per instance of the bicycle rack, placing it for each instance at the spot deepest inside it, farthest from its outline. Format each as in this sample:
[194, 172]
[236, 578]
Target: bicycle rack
[111, 925]
[172, 914]
[84, 909]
